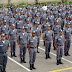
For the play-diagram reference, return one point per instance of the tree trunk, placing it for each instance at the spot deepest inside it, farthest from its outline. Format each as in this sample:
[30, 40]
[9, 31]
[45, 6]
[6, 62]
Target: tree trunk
[9, 1]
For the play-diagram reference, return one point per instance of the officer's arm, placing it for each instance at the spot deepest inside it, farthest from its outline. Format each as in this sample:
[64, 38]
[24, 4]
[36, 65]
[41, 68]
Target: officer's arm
[7, 49]
[56, 46]
[28, 48]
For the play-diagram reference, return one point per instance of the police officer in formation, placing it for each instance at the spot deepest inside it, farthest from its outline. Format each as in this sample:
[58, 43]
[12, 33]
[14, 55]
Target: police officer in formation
[48, 37]
[22, 42]
[32, 47]
[26, 25]
[4, 47]
[59, 41]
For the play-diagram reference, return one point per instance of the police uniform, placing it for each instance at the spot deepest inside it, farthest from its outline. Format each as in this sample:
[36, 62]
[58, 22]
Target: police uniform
[23, 38]
[38, 32]
[47, 35]
[67, 34]
[59, 41]
[3, 53]
[13, 35]
[32, 42]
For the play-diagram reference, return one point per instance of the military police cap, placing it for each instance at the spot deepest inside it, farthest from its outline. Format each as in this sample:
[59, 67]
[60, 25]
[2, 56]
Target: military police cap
[16, 10]
[51, 12]
[13, 25]
[37, 22]
[2, 35]
[48, 25]
[22, 27]
[4, 21]
[8, 8]
[38, 9]
[1, 11]
[46, 18]
[60, 30]
[33, 32]
[27, 19]
[67, 23]
[23, 5]
[21, 11]
[28, 13]
[19, 17]
[48, 6]
[59, 14]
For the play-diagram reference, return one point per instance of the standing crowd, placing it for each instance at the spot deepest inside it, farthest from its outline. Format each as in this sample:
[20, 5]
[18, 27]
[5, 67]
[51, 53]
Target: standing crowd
[28, 24]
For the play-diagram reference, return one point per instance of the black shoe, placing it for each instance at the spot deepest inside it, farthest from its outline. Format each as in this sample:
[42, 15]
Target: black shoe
[57, 62]
[1, 70]
[14, 55]
[65, 54]
[24, 61]
[46, 56]
[60, 62]
[11, 54]
[21, 61]
[33, 66]
[68, 54]
[49, 56]
[38, 52]
[54, 48]
[4, 70]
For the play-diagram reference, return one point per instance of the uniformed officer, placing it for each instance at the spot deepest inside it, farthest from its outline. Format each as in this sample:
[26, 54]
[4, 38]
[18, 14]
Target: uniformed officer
[5, 29]
[47, 37]
[4, 47]
[32, 47]
[38, 34]
[22, 42]
[55, 29]
[59, 41]
[67, 34]
[12, 39]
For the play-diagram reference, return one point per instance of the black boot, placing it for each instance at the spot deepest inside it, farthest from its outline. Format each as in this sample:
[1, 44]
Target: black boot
[4, 70]
[65, 54]
[46, 56]
[57, 62]
[49, 56]
[54, 48]
[33, 66]
[30, 66]
[14, 55]
[24, 60]
[11, 54]
[37, 51]
[21, 61]
[44, 43]
[60, 62]
[68, 54]
[1, 70]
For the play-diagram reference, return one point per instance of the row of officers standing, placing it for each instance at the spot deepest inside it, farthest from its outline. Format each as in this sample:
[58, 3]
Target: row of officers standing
[27, 25]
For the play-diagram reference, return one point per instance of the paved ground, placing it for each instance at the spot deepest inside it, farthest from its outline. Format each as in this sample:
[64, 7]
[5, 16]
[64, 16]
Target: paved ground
[41, 64]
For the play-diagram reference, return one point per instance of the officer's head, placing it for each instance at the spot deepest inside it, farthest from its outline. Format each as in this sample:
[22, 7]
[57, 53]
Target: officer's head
[37, 10]
[13, 26]
[51, 13]
[16, 11]
[28, 14]
[48, 27]
[4, 22]
[60, 32]
[11, 15]
[21, 12]
[23, 6]
[22, 30]
[33, 33]
[37, 24]
[5, 14]
[59, 15]
[63, 10]
[46, 20]
[0, 11]
[48, 7]
[17, 6]
[68, 24]
[45, 4]
[43, 11]
[56, 22]
[19, 18]
[3, 37]
[27, 20]
[9, 9]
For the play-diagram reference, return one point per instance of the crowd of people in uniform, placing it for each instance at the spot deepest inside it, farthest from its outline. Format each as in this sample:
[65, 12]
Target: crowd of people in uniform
[28, 24]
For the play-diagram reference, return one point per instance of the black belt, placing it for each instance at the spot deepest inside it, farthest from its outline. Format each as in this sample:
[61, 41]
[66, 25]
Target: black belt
[2, 52]
[33, 47]
[60, 45]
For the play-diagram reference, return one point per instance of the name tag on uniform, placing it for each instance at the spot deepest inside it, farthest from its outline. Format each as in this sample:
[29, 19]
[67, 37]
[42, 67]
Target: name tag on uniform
[59, 39]
[1, 45]
[31, 41]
